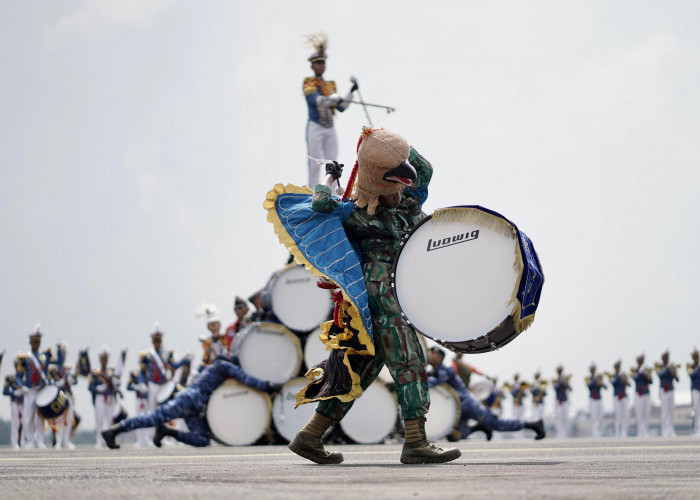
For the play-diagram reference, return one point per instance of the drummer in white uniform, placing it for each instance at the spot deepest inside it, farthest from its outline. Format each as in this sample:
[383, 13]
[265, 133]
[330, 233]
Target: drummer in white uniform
[35, 377]
[104, 386]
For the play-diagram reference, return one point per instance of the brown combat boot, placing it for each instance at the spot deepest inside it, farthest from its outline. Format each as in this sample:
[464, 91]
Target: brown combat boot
[307, 443]
[418, 450]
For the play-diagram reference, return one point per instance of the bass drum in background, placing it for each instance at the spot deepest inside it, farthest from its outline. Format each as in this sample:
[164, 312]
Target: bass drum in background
[293, 297]
[238, 414]
[314, 350]
[288, 420]
[373, 415]
[268, 351]
[166, 392]
[51, 402]
[444, 413]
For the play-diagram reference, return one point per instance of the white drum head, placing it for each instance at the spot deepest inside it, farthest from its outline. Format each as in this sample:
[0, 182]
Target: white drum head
[268, 351]
[166, 390]
[314, 350]
[444, 411]
[450, 270]
[372, 417]
[238, 414]
[297, 302]
[46, 395]
[288, 420]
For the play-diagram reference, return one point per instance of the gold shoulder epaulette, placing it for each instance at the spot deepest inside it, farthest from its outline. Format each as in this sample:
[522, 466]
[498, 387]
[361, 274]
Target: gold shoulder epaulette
[311, 84]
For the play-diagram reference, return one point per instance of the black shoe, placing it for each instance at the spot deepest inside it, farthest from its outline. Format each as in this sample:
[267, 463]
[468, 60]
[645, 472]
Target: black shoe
[538, 427]
[161, 432]
[485, 430]
[110, 436]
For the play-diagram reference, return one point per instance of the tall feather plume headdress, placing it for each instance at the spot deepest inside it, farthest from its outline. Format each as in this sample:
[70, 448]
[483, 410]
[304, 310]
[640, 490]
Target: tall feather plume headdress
[318, 42]
[207, 310]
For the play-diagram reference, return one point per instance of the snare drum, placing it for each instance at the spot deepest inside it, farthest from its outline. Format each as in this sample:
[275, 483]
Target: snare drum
[292, 295]
[166, 392]
[51, 402]
[467, 278]
[373, 415]
[238, 414]
[268, 351]
[444, 413]
[287, 419]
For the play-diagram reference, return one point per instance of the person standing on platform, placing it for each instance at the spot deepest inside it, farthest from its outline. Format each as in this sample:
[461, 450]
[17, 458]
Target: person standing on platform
[694, 373]
[667, 374]
[36, 369]
[322, 100]
[642, 404]
[562, 389]
[538, 392]
[13, 389]
[619, 383]
[594, 382]
[104, 386]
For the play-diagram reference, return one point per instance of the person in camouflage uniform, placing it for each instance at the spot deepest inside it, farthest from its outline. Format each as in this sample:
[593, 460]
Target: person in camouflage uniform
[384, 214]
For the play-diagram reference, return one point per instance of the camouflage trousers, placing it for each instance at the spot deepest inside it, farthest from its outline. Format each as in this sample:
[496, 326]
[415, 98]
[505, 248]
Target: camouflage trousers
[396, 346]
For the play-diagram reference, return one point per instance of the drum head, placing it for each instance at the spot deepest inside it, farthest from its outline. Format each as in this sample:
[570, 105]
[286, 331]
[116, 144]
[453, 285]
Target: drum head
[46, 396]
[296, 300]
[314, 350]
[287, 419]
[268, 351]
[166, 391]
[237, 414]
[444, 411]
[372, 417]
[455, 280]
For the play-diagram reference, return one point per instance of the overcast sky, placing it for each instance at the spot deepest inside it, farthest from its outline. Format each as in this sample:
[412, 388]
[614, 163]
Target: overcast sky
[138, 140]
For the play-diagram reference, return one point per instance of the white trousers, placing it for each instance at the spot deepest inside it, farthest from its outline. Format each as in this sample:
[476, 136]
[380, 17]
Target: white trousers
[64, 426]
[153, 390]
[141, 434]
[321, 143]
[642, 410]
[622, 417]
[596, 409]
[32, 424]
[519, 413]
[104, 409]
[695, 396]
[668, 409]
[15, 419]
[561, 425]
[538, 411]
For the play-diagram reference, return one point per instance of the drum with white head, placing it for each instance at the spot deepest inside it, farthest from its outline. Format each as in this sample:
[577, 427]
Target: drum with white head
[292, 295]
[373, 415]
[51, 402]
[467, 278]
[314, 350]
[288, 420]
[238, 414]
[268, 351]
[166, 392]
[444, 413]
[481, 389]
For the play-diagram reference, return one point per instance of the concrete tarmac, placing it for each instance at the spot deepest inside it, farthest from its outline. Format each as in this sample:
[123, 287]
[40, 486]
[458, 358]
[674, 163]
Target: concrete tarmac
[506, 469]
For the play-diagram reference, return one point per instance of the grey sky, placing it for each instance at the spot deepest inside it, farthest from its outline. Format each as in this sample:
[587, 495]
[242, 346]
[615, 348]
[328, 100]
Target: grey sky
[138, 140]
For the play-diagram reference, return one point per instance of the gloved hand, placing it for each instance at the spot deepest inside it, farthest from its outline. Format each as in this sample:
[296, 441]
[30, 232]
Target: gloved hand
[335, 169]
[354, 87]
[335, 99]
[273, 387]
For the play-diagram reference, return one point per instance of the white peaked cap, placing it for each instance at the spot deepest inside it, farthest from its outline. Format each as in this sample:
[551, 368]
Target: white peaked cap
[104, 350]
[37, 330]
[156, 328]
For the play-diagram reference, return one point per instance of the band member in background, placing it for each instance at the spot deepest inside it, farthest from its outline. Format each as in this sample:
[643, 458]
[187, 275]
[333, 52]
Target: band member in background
[518, 391]
[188, 404]
[667, 374]
[694, 373]
[561, 389]
[619, 383]
[140, 390]
[104, 386]
[641, 375]
[243, 319]
[472, 407]
[213, 345]
[322, 100]
[35, 377]
[13, 390]
[63, 376]
[463, 369]
[538, 392]
[157, 366]
[594, 382]
[495, 402]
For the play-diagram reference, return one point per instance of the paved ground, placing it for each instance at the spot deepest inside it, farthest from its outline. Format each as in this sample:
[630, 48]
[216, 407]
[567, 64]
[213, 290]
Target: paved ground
[508, 469]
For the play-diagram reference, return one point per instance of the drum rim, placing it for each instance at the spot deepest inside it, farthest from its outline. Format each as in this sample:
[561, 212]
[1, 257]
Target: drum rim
[266, 430]
[455, 346]
[281, 329]
[54, 389]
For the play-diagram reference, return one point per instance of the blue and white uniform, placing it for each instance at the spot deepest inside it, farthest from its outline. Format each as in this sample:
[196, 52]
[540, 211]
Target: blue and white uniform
[561, 389]
[190, 403]
[471, 407]
[595, 384]
[694, 373]
[13, 389]
[103, 384]
[34, 378]
[141, 392]
[620, 404]
[63, 377]
[667, 375]
[642, 403]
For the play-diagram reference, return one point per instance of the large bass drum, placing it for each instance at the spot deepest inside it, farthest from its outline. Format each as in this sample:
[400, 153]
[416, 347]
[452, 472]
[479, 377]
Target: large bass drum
[268, 351]
[238, 414]
[373, 415]
[467, 278]
[288, 420]
[293, 297]
[444, 413]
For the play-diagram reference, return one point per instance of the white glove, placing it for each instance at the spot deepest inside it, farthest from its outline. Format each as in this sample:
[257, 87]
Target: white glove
[101, 388]
[328, 101]
[141, 388]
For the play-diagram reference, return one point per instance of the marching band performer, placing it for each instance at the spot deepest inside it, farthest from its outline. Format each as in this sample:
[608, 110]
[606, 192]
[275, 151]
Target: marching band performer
[104, 386]
[243, 319]
[140, 390]
[495, 402]
[13, 389]
[35, 377]
[212, 346]
[620, 382]
[641, 375]
[63, 377]
[562, 389]
[594, 382]
[538, 391]
[667, 374]
[694, 373]
[518, 392]
[471, 407]
[188, 404]
[322, 100]
[157, 366]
